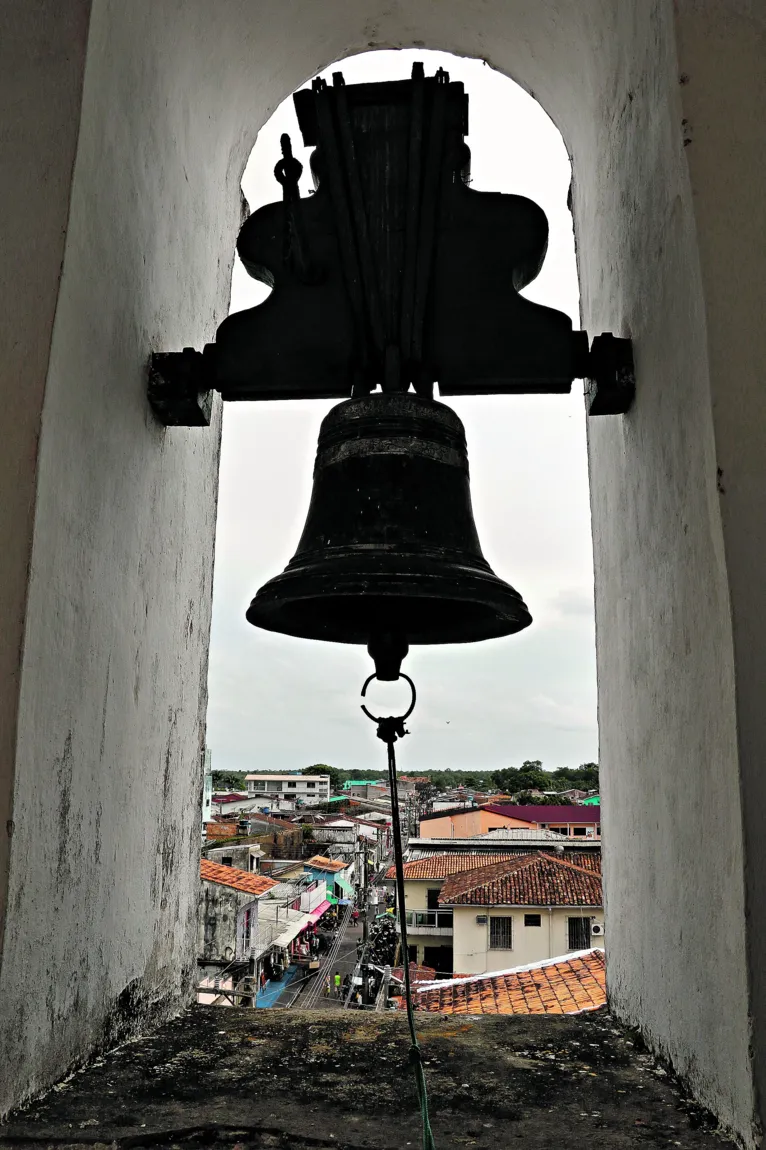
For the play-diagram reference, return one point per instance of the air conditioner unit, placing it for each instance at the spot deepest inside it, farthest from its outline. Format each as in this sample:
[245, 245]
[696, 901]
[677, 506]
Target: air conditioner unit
[597, 928]
[482, 919]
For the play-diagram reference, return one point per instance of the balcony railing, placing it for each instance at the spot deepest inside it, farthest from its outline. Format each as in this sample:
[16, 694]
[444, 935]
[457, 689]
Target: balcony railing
[429, 921]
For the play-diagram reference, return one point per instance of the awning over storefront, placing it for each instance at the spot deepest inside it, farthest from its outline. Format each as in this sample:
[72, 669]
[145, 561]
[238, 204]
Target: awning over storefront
[344, 885]
[277, 926]
[292, 930]
[317, 913]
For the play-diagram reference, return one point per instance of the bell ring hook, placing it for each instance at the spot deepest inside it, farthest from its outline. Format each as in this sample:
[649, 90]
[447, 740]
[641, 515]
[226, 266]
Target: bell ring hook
[407, 713]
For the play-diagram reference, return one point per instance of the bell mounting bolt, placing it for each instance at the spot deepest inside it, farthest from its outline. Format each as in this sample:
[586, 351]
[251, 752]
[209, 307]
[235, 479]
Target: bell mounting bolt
[394, 274]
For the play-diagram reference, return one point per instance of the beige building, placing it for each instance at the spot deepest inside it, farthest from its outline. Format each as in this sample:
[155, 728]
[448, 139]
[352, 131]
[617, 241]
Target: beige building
[429, 927]
[523, 910]
[557, 908]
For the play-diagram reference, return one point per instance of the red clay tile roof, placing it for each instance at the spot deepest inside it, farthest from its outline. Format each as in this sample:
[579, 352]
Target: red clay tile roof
[586, 860]
[231, 797]
[417, 973]
[322, 863]
[565, 985]
[527, 880]
[237, 879]
[440, 866]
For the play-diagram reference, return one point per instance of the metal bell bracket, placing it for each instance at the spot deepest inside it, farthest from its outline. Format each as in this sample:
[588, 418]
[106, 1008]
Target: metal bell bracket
[394, 274]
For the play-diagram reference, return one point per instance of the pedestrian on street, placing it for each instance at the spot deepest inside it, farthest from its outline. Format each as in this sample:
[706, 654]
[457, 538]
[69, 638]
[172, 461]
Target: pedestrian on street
[337, 984]
[355, 916]
[327, 986]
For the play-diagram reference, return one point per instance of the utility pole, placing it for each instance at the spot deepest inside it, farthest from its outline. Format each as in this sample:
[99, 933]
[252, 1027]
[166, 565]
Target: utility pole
[366, 904]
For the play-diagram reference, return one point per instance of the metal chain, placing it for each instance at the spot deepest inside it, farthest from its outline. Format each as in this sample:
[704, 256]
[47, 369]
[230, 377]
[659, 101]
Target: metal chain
[390, 729]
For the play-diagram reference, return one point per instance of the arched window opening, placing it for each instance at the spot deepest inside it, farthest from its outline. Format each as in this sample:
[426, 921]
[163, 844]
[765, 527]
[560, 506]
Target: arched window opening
[498, 715]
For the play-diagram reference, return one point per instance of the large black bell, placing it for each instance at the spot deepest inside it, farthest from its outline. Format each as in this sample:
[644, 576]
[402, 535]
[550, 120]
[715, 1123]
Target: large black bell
[390, 546]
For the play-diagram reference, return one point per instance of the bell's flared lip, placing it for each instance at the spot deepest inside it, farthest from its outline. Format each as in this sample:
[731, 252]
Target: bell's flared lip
[460, 607]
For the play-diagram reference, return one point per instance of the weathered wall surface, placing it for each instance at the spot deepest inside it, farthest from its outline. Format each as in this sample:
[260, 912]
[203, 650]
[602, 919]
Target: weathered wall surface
[102, 887]
[103, 876]
[727, 161]
[242, 857]
[675, 910]
[217, 920]
[42, 57]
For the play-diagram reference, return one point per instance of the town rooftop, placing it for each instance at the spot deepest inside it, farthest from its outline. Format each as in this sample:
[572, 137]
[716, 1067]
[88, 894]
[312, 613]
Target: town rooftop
[566, 985]
[242, 880]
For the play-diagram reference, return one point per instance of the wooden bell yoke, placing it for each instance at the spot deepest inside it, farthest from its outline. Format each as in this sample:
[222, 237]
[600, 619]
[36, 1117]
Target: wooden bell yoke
[394, 274]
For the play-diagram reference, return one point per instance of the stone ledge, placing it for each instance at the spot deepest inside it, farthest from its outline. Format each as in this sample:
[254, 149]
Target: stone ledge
[242, 1079]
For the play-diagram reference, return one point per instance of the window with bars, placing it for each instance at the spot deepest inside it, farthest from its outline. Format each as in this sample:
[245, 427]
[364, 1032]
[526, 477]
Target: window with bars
[500, 933]
[533, 920]
[579, 933]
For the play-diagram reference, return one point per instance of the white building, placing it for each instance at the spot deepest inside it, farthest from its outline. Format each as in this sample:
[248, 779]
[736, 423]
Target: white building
[306, 788]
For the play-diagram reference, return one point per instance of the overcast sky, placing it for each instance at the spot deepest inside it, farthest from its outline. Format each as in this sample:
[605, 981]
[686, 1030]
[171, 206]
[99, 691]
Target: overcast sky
[282, 703]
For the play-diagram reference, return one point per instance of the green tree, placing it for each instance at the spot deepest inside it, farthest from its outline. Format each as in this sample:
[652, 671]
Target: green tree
[229, 781]
[336, 776]
[525, 797]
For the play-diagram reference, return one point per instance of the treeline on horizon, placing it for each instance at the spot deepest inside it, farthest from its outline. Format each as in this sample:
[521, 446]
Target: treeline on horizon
[530, 776]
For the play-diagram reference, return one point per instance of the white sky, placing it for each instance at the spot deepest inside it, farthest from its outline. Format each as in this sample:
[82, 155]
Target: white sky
[282, 703]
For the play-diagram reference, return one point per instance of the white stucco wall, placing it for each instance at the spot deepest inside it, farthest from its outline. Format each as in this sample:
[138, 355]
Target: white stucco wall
[107, 771]
[668, 736]
[103, 874]
[727, 159]
[42, 58]
[470, 941]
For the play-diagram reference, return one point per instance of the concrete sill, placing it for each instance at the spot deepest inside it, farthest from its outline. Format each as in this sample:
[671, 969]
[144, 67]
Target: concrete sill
[217, 1077]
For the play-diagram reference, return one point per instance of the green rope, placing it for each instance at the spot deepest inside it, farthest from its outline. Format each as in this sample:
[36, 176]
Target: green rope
[387, 732]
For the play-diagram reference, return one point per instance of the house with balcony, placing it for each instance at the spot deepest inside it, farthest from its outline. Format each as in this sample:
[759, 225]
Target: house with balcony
[565, 912]
[521, 910]
[429, 926]
[306, 789]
